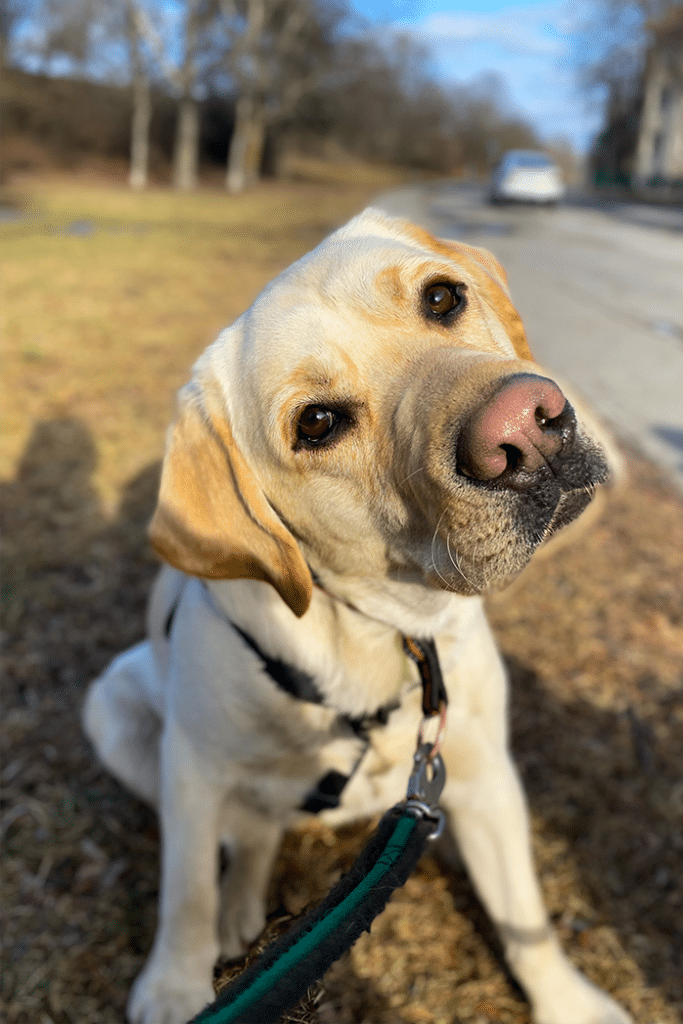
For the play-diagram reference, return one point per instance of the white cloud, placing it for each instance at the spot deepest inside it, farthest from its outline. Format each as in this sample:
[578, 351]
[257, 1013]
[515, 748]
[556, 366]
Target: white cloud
[529, 45]
[537, 29]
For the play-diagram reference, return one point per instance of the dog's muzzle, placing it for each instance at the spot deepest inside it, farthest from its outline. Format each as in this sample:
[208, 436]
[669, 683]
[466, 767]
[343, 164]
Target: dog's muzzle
[516, 434]
[524, 441]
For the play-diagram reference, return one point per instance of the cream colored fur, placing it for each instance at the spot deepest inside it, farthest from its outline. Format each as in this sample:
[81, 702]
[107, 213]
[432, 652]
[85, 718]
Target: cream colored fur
[192, 723]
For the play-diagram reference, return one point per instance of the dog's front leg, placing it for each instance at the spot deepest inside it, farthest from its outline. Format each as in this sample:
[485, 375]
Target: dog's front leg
[252, 841]
[176, 981]
[490, 821]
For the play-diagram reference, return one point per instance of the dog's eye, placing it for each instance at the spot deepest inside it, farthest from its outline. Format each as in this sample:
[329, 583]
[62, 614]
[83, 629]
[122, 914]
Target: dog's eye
[443, 298]
[316, 423]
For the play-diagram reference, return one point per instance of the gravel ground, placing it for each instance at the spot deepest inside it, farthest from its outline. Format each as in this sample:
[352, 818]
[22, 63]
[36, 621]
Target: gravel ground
[593, 636]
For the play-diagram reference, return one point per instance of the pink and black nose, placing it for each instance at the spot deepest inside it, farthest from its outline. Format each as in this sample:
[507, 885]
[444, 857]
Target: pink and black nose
[516, 433]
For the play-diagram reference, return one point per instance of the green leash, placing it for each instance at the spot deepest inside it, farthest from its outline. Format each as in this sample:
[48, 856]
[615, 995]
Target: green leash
[291, 964]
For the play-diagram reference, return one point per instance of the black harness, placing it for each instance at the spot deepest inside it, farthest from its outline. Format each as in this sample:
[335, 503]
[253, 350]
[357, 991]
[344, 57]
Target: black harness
[302, 686]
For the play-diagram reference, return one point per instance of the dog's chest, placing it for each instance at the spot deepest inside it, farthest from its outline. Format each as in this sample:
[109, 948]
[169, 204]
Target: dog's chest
[313, 733]
[315, 760]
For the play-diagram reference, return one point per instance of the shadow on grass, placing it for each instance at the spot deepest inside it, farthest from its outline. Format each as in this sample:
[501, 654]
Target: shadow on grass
[82, 856]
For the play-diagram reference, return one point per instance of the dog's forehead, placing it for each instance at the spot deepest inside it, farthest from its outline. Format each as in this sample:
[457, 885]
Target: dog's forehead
[349, 296]
[353, 305]
[368, 264]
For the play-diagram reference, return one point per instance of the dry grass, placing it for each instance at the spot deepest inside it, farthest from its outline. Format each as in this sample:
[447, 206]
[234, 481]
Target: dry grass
[593, 637]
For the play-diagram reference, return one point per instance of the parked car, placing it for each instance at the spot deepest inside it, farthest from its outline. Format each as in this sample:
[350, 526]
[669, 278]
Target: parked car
[526, 176]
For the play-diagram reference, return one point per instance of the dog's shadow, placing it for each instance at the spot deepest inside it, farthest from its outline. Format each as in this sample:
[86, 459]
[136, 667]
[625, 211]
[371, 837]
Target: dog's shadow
[603, 778]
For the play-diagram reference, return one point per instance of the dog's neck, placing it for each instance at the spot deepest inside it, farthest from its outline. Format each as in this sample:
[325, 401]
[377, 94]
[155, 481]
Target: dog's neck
[411, 608]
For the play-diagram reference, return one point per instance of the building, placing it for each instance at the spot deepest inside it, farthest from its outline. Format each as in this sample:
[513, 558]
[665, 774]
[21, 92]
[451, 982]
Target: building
[659, 148]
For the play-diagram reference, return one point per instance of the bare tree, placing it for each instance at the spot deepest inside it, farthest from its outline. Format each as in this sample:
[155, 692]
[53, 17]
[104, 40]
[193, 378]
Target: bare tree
[186, 148]
[62, 30]
[283, 63]
[137, 29]
[83, 35]
[386, 107]
[278, 51]
[249, 68]
[615, 46]
[182, 75]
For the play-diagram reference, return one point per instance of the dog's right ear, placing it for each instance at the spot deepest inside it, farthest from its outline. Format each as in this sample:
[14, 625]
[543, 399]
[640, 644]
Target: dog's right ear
[213, 520]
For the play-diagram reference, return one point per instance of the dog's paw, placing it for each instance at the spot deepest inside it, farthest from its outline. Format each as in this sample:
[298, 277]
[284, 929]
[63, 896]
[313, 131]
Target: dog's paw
[578, 1001]
[158, 998]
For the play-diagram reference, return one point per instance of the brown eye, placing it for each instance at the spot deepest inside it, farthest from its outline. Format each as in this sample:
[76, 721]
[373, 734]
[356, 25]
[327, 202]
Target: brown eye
[316, 423]
[442, 299]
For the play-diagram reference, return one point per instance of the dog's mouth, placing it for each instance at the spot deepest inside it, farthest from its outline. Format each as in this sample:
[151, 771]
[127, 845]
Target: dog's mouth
[569, 507]
[563, 490]
[512, 523]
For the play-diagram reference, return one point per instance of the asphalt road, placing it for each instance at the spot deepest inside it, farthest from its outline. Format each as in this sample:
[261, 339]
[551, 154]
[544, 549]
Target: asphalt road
[600, 291]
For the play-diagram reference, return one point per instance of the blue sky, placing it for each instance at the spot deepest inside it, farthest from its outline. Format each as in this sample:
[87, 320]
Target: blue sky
[531, 45]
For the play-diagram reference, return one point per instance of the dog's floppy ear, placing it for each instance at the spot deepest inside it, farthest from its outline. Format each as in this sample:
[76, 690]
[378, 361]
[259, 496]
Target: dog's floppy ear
[213, 520]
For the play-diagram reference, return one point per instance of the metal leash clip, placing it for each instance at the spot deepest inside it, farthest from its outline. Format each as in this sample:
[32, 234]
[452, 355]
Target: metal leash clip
[425, 786]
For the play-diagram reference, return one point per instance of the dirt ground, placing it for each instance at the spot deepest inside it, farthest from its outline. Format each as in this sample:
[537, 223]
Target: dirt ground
[593, 637]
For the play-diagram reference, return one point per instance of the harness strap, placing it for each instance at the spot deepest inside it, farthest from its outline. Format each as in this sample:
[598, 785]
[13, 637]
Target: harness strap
[302, 686]
[299, 684]
[327, 794]
[293, 680]
[423, 653]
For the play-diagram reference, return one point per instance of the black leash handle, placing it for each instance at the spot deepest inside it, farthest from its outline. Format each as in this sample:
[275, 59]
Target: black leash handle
[295, 961]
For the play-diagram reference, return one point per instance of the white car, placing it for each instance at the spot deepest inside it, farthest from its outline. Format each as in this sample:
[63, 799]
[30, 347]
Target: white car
[527, 176]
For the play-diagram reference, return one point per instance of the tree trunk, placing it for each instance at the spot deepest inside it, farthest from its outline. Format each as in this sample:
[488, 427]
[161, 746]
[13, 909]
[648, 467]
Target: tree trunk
[246, 146]
[186, 149]
[139, 139]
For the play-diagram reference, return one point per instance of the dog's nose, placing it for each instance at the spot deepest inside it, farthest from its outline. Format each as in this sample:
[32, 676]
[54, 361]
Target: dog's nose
[512, 435]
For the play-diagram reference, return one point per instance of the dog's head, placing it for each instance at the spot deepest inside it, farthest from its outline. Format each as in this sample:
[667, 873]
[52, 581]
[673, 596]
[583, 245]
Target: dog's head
[376, 413]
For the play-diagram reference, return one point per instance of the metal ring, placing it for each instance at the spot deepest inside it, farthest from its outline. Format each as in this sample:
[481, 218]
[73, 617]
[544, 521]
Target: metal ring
[440, 826]
[435, 814]
[443, 710]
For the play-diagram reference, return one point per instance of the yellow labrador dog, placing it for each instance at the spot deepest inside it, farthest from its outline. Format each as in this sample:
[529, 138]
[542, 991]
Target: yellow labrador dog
[356, 460]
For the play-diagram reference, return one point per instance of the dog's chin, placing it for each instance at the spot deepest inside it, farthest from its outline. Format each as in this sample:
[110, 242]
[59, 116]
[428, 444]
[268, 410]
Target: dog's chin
[476, 574]
[475, 579]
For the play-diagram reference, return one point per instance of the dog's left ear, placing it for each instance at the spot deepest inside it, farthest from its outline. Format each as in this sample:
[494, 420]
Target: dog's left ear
[213, 520]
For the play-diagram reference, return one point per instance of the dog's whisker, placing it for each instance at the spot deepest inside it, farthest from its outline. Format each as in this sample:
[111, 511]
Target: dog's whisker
[456, 562]
[420, 469]
[441, 577]
[475, 571]
[433, 544]
[483, 571]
